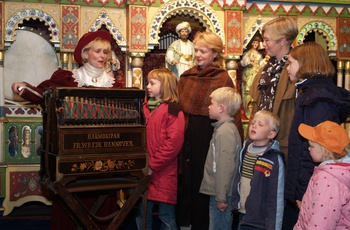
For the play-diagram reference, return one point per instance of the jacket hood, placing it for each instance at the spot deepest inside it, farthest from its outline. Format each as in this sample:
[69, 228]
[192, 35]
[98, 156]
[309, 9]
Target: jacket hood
[324, 89]
[339, 169]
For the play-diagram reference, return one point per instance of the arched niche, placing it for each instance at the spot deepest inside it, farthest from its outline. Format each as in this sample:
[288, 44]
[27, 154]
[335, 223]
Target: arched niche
[321, 28]
[255, 28]
[26, 14]
[103, 18]
[199, 10]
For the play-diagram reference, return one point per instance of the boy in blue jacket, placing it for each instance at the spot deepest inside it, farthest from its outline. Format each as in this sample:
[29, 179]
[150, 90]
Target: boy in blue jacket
[258, 189]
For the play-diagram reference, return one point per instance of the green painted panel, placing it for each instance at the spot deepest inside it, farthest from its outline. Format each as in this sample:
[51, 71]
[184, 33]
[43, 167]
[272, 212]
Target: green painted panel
[22, 141]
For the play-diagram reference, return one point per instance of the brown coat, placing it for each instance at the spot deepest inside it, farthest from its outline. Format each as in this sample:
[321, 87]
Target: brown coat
[283, 106]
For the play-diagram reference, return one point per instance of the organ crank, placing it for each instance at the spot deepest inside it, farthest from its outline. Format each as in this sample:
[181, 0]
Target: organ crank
[94, 139]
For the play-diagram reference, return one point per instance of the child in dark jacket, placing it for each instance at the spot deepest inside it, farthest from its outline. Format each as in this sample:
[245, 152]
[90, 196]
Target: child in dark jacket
[318, 100]
[258, 189]
[165, 135]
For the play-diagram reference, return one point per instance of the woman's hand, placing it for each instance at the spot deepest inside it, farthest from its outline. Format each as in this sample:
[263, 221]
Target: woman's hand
[17, 87]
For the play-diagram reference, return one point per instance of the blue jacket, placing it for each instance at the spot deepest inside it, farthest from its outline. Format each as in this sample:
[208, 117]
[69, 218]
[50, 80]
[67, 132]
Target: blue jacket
[265, 203]
[320, 100]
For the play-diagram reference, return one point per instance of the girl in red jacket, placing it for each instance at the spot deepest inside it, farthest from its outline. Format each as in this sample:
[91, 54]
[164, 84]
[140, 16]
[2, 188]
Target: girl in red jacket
[165, 127]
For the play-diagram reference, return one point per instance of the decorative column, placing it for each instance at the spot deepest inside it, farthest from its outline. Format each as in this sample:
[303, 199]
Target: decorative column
[231, 67]
[340, 67]
[2, 94]
[138, 46]
[65, 61]
[2, 106]
[347, 75]
[136, 72]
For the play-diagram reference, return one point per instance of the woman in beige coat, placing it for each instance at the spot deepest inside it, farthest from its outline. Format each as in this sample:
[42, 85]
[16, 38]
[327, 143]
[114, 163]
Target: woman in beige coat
[271, 89]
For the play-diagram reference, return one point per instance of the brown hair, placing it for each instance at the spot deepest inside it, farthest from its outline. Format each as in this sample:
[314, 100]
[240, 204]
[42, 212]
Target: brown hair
[168, 84]
[313, 61]
[281, 27]
[97, 42]
[213, 42]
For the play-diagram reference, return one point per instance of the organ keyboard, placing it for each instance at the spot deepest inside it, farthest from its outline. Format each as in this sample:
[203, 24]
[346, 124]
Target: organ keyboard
[94, 139]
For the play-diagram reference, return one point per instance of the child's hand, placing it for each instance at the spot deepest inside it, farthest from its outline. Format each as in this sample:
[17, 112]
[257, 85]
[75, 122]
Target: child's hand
[222, 206]
[299, 204]
[150, 171]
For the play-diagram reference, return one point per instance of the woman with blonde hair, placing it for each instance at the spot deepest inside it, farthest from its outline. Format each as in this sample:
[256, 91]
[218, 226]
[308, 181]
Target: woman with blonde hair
[92, 53]
[195, 87]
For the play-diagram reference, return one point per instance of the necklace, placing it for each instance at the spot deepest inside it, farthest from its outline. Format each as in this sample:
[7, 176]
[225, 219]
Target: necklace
[92, 72]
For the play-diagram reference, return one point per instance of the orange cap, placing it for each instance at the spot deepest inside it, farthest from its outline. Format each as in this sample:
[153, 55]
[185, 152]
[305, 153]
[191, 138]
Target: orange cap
[328, 134]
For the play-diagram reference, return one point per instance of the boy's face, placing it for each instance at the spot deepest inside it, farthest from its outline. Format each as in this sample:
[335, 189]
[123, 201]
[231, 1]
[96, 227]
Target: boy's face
[215, 109]
[316, 152]
[260, 130]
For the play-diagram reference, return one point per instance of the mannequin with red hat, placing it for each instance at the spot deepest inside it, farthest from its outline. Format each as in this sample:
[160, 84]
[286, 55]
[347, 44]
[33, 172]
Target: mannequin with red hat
[92, 53]
[326, 203]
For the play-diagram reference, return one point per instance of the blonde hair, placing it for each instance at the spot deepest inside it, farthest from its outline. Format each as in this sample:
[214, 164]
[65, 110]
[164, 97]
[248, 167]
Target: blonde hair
[334, 155]
[229, 97]
[281, 27]
[317, 63]
[168, 84]
[105, 44]
[274, 120]
[213, 42]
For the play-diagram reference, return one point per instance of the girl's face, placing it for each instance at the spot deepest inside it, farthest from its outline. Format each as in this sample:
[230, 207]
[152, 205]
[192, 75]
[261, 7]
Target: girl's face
[260, 131]
[97, 56]
[317, 153]
[204, 55]
[292, 68]
[214, 109]
[153, 88]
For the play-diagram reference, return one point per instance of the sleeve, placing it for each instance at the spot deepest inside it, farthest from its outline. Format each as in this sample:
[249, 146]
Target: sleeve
[169, 55]
[227, 147]
[62, 78]
[246, 59]
[275, 195]
[313, 115]
[171, 146]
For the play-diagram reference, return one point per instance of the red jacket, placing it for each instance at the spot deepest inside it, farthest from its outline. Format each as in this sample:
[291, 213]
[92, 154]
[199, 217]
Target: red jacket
[165, 129]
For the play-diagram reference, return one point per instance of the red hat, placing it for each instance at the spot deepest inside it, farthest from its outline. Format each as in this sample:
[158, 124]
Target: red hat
[86, 39]
[328, 134]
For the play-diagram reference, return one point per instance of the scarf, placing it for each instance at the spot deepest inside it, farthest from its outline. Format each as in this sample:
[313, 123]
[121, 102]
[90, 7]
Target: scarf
[268, 82]
[195, 86]
[153, 104]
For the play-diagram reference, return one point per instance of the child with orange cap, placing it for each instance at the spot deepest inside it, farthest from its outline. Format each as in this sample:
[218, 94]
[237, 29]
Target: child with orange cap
[326, 203]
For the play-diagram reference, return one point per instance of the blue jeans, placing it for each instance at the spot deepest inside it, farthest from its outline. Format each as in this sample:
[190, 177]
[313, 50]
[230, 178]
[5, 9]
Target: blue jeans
[166, 214]
[220, 220]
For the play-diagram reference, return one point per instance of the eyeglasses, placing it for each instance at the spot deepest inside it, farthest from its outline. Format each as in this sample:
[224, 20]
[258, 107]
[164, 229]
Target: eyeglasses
[266, 40]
